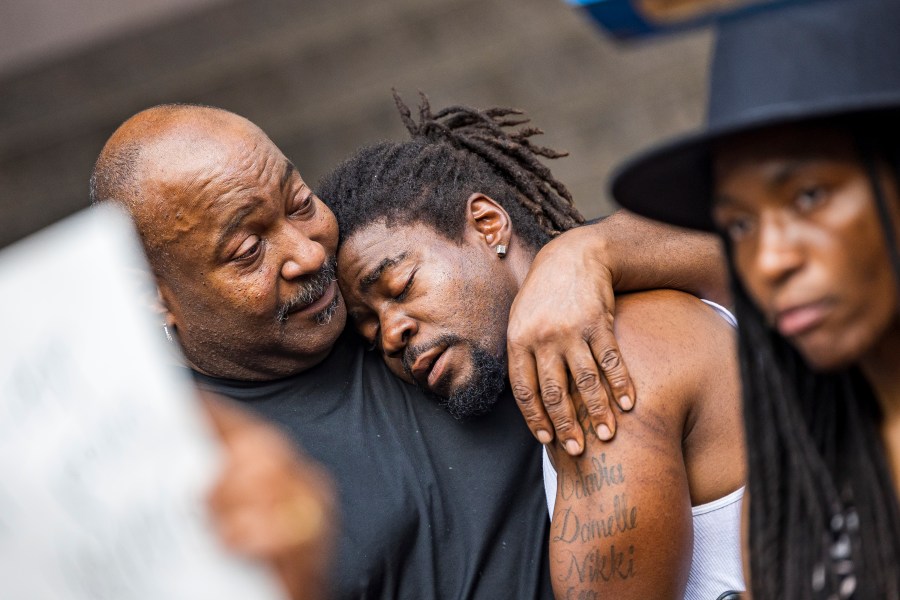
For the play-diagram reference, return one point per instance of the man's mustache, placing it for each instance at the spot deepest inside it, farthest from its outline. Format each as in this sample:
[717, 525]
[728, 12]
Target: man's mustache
[313, 288]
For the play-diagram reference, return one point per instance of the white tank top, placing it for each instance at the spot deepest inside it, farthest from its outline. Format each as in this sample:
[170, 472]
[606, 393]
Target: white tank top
[716, 562]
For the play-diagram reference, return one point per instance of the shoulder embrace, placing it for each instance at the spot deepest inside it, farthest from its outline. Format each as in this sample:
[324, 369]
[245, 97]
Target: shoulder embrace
[672, 340]
[670, 318]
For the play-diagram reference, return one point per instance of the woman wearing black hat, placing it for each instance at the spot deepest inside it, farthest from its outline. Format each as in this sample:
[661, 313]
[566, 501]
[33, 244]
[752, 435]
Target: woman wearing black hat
[799, 208]
[799, 170]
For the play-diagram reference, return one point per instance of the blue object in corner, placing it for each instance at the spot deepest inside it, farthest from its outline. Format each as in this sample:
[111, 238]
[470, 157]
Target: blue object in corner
[624, 20]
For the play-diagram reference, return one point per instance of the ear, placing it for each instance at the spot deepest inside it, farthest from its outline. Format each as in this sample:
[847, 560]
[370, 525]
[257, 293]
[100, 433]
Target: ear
[153, 295]
[486, 218]
[160, 303]
[160, 306]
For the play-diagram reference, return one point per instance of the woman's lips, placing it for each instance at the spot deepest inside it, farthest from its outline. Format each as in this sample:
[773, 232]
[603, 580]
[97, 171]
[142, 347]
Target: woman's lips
[801, 319]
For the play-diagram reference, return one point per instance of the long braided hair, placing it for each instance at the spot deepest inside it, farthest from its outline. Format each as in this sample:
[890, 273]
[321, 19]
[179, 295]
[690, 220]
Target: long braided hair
[452, 153]
[824, 518]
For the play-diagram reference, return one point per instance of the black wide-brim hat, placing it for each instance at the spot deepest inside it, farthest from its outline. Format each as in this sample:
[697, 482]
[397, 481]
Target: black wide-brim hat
[814, 60]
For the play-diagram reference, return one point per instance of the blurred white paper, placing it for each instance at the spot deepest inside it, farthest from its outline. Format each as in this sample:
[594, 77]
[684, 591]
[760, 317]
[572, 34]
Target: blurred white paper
[105, 458]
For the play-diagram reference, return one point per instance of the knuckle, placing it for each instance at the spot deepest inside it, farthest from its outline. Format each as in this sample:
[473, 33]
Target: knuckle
[564, 425]
[618, 382]
[599, 410]
[515, 339]
[523, 394]
[535, 330]
[533, 420]
[587, 382]
[552, 394]
[594, 333]
[610, 360]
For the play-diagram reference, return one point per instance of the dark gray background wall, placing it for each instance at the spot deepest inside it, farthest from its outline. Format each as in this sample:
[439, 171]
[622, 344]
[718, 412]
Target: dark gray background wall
[316, 76]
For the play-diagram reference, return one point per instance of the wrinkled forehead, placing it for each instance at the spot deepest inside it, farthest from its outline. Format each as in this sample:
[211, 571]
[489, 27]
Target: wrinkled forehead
[204, 173]
[377, 250]
[230, 153]
[369, 246]
[382, 237]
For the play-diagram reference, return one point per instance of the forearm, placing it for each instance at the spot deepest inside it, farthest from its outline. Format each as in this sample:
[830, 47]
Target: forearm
[592, 554]
[643, 254]
[612, 537]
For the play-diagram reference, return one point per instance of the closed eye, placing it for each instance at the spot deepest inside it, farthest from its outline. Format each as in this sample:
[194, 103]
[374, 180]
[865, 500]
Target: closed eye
[405, 291]
[302, 205]
[248, 250]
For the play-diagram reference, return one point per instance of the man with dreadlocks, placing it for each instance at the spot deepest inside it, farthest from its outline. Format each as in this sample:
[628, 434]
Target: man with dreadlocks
[437, 235]
[243, 254]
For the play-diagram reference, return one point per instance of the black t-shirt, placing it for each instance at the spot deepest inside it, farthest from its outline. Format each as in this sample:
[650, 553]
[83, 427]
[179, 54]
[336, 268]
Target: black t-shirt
[430, 507]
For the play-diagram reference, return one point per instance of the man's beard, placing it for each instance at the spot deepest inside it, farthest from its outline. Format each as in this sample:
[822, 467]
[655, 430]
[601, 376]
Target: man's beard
[477, 395]
[313, 288]
[480, 392]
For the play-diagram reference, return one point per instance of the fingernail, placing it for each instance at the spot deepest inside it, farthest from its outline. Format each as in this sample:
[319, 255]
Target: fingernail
[572, 447]
[603, 432]
[544, 436]
[626, 403]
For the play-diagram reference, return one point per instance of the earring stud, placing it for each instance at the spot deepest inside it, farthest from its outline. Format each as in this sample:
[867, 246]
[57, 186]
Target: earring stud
[501, 250]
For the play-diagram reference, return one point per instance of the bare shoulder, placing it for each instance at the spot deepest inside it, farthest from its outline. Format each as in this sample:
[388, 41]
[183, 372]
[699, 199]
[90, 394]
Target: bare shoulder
[668, 316]
[672, 340]
[682, 353]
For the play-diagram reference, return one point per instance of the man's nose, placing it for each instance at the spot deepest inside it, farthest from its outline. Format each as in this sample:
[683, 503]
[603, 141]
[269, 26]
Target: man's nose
[301, 255]
[397, 329]
[779, 253]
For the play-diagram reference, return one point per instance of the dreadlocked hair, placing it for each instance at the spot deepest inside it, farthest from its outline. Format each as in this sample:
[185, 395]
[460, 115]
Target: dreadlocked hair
[453, 153]
[824, 518]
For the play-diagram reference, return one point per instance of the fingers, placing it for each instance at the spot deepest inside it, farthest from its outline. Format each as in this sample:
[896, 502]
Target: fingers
[588, 382]
[276, 526]
[271, 503]
[292, 535]
[267, 498]
[553, 377]
[605, 350]
[551, 409]
[226, 418]
[524, 383]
